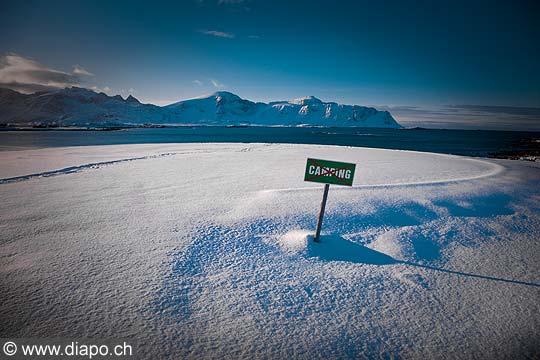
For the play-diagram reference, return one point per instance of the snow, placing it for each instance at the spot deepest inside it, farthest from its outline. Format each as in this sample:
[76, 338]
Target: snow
[205, 250]
[294, 241]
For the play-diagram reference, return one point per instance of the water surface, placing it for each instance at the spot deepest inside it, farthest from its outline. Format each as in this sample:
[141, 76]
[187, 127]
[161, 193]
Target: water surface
[459, 142]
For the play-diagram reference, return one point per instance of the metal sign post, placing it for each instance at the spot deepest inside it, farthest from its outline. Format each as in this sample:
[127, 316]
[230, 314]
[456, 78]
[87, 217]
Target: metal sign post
[328, 172]
[321, 213]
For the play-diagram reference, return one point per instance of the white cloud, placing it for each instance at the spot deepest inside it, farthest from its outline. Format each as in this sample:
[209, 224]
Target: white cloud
[107, 90]
[79, 70]
[197, 82]
[221, 34]
[28, 76]
[217, 84]
[467, 117]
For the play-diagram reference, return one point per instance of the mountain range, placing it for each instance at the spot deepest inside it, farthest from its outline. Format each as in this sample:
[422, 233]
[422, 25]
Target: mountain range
[83, 107]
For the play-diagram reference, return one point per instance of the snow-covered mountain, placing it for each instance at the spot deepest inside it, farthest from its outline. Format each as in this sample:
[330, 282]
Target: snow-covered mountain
[83, 107]
[74, 106]
[226, 108]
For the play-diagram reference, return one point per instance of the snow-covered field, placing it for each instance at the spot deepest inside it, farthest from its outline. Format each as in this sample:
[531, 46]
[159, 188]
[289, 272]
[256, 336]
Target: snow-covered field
[203, 250]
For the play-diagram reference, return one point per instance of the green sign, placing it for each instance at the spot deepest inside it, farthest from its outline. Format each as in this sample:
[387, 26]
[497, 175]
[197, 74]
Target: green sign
[329, 172]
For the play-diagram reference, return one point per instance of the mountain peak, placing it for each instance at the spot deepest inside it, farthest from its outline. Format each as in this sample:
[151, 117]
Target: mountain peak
[225, 94]
[74, 90]
[306, 100]
[216, 95]
[132, 99]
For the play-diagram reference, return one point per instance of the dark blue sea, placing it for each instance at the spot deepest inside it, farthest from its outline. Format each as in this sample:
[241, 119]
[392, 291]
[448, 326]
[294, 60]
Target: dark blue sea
[459, 142]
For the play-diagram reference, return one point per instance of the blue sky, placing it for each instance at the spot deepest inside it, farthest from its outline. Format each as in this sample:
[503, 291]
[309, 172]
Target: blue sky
[422, 60]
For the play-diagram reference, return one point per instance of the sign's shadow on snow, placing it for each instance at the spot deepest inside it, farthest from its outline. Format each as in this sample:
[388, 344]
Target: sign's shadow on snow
[336, 248]
[460, 273]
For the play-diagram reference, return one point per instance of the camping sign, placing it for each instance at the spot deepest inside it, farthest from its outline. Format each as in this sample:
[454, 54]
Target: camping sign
[329, 172]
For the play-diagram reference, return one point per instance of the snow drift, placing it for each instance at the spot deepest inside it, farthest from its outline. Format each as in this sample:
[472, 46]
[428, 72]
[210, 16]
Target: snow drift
[203, 251]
